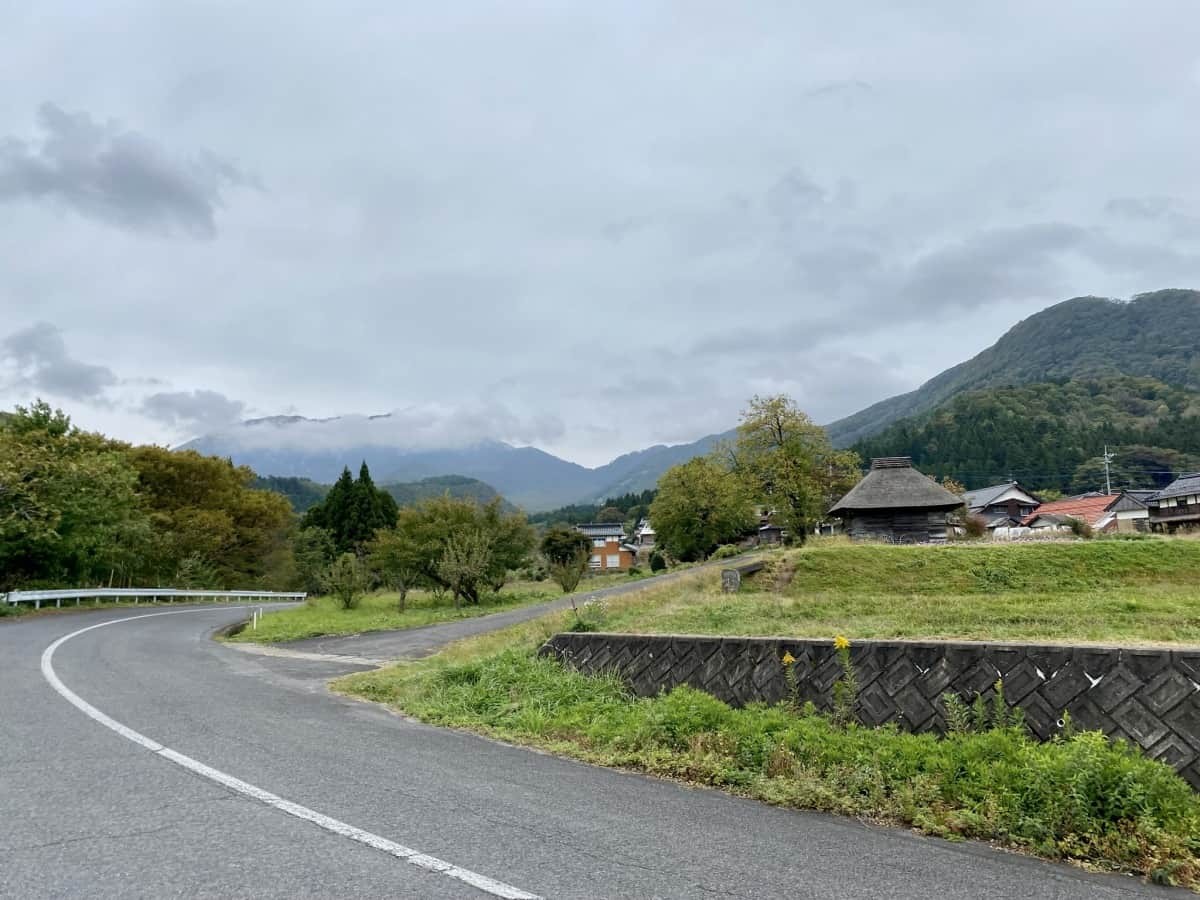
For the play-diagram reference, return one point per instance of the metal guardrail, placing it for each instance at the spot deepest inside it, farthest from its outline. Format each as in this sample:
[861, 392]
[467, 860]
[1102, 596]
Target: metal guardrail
[151, 595]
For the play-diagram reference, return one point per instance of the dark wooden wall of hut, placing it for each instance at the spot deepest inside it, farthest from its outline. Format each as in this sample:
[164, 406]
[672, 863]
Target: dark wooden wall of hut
[902, 526]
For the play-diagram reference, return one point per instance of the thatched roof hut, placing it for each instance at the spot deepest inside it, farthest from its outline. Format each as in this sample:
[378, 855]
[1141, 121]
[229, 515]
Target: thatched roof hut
[896, 503]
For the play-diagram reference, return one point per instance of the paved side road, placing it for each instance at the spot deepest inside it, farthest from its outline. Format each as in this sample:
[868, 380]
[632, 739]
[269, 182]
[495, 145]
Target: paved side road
[86, 812]
[411, 643]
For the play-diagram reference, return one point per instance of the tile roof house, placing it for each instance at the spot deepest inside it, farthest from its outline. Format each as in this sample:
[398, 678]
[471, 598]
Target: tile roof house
[1092, 509]
[1131, 510]
[1177, 505]
[610, 552]
[896, 503]
[1001, 505]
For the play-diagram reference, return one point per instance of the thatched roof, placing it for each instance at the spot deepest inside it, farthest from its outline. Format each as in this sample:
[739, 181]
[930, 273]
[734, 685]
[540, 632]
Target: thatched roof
[893, 483]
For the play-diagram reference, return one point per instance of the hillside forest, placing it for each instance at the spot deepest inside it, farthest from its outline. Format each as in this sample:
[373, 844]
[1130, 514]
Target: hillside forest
[1052, 435]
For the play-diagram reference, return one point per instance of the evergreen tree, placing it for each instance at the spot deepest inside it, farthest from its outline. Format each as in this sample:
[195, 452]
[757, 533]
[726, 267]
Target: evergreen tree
[353, 511]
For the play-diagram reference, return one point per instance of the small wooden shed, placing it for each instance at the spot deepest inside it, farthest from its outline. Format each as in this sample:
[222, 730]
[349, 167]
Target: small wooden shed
[898, 504]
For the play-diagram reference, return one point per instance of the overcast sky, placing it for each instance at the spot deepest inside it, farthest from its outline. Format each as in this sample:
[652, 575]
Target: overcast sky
[589, 227]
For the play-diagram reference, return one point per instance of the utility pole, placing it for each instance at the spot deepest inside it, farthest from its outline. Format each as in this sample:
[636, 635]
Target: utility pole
[1107, 476]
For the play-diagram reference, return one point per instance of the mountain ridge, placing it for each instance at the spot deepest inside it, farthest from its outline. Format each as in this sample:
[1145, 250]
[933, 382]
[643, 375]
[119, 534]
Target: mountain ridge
[1167, 319]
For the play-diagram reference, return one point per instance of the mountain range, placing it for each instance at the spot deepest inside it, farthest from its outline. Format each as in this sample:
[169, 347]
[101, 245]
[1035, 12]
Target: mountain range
[1155, 335]
[527, 476]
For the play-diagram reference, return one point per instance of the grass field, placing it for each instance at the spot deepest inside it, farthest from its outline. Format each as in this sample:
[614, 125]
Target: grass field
[380, 611]
[1082, 798]
[1098, 591]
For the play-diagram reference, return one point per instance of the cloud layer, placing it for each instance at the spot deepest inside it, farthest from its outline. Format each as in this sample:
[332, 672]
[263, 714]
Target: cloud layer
[592, 229]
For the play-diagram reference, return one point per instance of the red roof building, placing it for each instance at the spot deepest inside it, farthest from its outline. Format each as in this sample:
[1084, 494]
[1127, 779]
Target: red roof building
[1094, 510]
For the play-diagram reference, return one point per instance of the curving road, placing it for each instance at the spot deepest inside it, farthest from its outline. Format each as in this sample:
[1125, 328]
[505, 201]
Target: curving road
[142, 759]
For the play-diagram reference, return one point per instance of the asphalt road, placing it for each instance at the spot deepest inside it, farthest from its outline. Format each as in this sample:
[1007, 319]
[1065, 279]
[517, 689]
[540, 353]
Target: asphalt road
[87, 812]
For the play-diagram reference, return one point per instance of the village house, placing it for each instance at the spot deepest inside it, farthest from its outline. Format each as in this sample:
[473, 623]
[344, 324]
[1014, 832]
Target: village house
[1090, 509]
[1132, 511]
[898, 504]
[1177, 505]
[610, 552]
[1001, 505]
[643, 535]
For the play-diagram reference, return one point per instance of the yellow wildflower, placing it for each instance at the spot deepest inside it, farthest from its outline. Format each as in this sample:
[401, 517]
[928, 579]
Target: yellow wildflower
[841, 643]
[788, 659]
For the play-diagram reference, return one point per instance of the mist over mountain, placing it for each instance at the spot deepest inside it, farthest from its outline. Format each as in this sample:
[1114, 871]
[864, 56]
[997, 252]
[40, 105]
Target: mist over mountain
[1155, 335]
[318, 449]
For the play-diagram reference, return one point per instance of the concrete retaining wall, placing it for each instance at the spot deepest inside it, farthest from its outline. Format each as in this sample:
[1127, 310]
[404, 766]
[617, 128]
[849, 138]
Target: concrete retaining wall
[1148, 696]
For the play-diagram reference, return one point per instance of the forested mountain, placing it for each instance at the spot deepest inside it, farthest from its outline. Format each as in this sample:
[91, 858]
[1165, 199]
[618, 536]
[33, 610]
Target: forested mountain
[302, 493]
[1053, 434]
[458, 486]
[631, 506]
[1155, 334]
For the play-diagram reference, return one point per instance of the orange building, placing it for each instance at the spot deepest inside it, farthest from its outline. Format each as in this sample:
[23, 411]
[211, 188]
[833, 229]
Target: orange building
[610, 552]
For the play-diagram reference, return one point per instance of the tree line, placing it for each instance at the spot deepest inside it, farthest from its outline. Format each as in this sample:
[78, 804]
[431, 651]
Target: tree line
[80, 509]
[780, 466]
[628, 508]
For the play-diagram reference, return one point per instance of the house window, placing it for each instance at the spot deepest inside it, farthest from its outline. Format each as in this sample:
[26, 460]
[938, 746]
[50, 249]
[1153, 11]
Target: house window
[614, 561]
[594, 562]
[599, 542]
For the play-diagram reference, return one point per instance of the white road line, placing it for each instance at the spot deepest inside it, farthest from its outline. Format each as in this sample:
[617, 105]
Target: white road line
[431, 863]
[286, 653]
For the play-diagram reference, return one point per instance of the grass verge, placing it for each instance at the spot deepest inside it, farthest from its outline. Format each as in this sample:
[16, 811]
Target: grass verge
[1081, 798]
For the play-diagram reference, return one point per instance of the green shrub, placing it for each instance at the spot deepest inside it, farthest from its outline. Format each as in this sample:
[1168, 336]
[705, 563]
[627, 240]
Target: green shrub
[658, 562]
[725, 551]
[1078, 797]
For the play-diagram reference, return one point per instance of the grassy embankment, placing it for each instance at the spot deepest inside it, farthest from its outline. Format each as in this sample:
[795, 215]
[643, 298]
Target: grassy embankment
[1081, 798]
[1145, 591]
[321, 616]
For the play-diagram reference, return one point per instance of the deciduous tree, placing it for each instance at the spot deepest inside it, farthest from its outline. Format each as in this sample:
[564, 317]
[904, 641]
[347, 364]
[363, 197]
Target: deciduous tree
[699, 506]
[786, 462]
[346, 580]
[567, 552]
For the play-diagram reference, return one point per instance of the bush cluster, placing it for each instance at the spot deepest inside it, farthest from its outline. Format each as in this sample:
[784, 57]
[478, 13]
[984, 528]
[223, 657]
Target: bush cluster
[1079, 797]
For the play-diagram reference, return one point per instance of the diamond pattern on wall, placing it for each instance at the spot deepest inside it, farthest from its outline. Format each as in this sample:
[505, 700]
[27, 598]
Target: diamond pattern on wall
[1149, 697]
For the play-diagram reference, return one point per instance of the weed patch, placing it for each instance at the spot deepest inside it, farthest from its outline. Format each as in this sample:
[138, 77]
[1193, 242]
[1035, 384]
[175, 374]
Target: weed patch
[1078, 798]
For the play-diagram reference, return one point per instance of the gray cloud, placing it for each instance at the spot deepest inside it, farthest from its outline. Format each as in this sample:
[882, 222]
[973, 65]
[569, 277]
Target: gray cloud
[113, 175]
[593, 231]
[415, 428]
[194, 411]
[39, 355]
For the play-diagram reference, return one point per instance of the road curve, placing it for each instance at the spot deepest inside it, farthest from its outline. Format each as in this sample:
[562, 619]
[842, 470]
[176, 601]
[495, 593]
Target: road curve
[87, 811]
